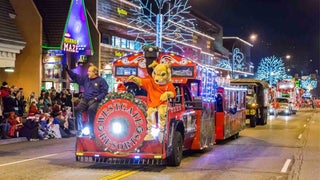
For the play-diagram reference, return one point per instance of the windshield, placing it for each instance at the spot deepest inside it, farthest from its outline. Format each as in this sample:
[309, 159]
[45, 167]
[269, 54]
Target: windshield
[282, 100]
[250, 99]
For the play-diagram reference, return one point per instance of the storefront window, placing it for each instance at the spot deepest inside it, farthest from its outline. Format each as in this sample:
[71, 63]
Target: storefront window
[131, 44]
[52, 71]
[123, 43]
[116, 41]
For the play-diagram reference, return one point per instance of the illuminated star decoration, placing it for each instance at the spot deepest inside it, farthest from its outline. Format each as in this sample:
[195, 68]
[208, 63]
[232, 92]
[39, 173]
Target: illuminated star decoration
[271, 69]
[164, 21]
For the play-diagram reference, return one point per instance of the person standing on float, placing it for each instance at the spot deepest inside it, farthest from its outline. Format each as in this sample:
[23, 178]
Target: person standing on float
[95, 89]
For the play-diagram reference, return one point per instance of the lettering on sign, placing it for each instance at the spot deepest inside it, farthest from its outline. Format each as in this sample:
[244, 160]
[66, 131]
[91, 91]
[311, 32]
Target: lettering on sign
[70, 41]
[120, 125]
[70, 47]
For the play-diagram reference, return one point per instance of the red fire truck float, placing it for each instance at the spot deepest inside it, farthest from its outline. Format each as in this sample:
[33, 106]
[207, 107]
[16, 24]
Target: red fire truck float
[287, 89]
[204, 110]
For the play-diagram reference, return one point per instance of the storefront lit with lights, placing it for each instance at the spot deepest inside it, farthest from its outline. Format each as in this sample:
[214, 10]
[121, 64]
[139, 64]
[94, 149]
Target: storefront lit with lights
[75, 48]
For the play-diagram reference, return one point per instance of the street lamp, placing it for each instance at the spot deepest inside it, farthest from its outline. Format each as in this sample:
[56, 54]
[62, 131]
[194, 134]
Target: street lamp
[253, 37]
[288, 56]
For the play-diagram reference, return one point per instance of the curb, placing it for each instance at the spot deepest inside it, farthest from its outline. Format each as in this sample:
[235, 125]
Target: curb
[13, 140]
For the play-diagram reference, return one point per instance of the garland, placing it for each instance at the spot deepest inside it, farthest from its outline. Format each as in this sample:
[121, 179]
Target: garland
[127, 96]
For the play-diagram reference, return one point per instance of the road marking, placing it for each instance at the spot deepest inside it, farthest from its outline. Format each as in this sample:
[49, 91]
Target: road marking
[31, 159]
[119, 175]
[285, 166]
[300, 136]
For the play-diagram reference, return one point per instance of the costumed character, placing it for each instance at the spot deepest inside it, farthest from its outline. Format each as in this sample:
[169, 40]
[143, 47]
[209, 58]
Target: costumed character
[160, 89]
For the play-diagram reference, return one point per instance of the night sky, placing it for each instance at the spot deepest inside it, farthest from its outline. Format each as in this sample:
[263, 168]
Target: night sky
[283, 27]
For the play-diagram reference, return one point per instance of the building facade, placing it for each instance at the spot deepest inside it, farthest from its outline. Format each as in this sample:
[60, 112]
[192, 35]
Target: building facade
[112, 28]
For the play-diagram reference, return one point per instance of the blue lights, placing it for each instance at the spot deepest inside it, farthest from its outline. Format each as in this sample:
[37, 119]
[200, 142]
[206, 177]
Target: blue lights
[271, 69]
[170, 28]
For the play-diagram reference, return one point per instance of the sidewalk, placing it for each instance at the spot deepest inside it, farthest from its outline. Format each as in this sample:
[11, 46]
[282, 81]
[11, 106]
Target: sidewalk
[306, 161]
[21, 139]
[12, 140]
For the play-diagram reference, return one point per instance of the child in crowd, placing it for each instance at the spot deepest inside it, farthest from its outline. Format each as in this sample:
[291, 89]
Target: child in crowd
[43, 128]
[31, 127]
[15, 124]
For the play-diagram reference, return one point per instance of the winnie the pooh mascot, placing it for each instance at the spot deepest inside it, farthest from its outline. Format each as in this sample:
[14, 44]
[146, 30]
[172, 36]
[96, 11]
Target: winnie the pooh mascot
[160, 89]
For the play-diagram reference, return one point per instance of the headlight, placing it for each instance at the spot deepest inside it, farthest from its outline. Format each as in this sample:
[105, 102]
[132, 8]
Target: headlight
[85, 131]
[116, 128]
[155, 132]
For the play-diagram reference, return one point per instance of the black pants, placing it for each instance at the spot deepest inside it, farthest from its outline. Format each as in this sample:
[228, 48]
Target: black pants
[89, 106]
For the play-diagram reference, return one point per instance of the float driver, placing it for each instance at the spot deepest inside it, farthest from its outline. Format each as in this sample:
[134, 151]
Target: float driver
[95, 89]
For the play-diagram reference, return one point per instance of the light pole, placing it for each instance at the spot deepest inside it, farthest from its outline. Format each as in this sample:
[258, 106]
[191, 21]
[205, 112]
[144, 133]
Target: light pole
[270, 78]
[286, 64]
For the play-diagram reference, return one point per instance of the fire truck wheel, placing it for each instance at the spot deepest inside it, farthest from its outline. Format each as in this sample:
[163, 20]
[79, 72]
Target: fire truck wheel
[175, 158]
[253, 121]
[236, 136]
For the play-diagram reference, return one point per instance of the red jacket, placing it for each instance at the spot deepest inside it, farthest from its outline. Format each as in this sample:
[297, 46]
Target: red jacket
[4, 92]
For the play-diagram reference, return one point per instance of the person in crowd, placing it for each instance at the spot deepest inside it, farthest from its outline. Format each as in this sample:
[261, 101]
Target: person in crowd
[42, 107]
[5, 90]
[5, 126]
[42, 93]
[8, 101]
[4, 100]
[275, 105]
[54, 128]
[31, 127]
[43, 126]
[95, 89]
[66, 98]
[61, 119]
[20, 102]
[31, 98]
[15, 124]
[33, 108]
[54, 96]
[47, 100]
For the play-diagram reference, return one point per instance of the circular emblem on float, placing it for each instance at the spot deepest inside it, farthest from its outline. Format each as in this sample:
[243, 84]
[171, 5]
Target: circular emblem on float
[120, 125]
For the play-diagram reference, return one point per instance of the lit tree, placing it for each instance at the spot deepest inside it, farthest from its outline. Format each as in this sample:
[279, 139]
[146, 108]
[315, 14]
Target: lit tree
[271, 69]
[163, 26]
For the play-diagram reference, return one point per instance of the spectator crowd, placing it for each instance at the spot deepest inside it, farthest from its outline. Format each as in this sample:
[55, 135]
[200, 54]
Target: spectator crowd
[47, 116]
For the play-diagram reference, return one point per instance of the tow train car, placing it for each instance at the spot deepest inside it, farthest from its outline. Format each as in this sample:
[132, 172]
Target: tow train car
[202, 112]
